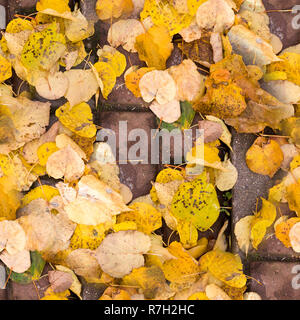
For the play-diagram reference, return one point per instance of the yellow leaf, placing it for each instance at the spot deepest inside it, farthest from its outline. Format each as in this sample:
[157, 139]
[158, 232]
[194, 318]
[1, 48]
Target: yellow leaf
[188, 234]
[225, 266]
[114, 58]
[78, 28]
[282, 230]
[242, 232]
[146, 217]
[295, 162]
[108, 77]
[162, 13]
[293, 197]
[258, 231]
[50, 295]
[275, 75]
[193, 6]
[223, 97]
[85, 144]
[60, 6]
[290, 65]
[108, 9]
[154, 47]
[44, 192]
[198, 296]
[126, 225]
[113, 293]
[5, 69]
[45, 151]
[165, 176]
[264, 157]
[43, 49]
[132, 80]
[196, 202]
[9, 199]
[182, 271]
[151, 280]
[88, 237]
[78, 119]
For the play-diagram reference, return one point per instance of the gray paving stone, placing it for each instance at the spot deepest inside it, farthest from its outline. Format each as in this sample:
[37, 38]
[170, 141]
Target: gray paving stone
[275, 280]
[281, 22]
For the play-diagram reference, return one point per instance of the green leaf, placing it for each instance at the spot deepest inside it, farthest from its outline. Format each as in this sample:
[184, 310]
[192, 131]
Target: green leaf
[33, 273]
[185, 121]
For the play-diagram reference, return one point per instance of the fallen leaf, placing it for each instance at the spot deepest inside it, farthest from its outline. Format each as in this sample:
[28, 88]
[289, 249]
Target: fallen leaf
[253, 48]
[189, 82]
[264, 157]
[124, 32]
[19, 262]
[168, 112]
[43, 49]
[84, 263]
[213, 292]
[53, 87]
[12, 237]
[215, 15]
[102, 201]
[83, 85]
[282, 230]
[107, 9]
[132, 79]
[123, 251]
[183, 270]
[65, 163]
[78, 119]
[146, 217]
[225, 266]
[227, 178]
[154, 47]
[242, 233]
[59, 281]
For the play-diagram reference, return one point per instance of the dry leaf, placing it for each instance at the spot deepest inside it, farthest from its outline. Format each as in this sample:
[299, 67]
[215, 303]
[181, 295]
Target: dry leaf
[123, 251]
[65, 163]
[12, 237]
[242, 232]
[264, 157]
[215, 15]
[59, 281]
[189, 82]
[95, 202]
[53, 87]
[168, 112]
[154, 47]
[123, 33]
[158, 85]
[19, 262]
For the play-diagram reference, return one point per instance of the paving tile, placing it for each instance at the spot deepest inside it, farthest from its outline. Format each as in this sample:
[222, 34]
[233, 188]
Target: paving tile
[250, 187]
[281, 22]
[277, 280]
[87, 8]
[137, 176]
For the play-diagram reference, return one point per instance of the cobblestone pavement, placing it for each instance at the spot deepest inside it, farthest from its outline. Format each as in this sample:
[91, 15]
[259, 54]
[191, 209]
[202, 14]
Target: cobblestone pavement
[273, 267]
